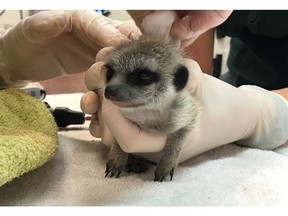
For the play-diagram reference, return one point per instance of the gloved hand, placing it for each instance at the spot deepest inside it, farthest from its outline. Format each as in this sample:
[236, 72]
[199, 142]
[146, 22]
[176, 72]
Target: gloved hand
[188, 25]
[248, 115]
[55, 43]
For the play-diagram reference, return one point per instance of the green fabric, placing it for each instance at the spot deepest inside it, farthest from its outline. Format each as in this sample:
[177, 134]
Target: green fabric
[28, 134]
[259, 44]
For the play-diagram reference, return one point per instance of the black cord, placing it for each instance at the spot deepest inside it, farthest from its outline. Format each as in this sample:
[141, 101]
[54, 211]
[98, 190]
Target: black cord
[2, 12]
[21, 14]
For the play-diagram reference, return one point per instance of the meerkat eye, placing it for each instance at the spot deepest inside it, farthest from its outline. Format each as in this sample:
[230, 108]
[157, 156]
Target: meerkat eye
[109, 73]
[140, 77]
[145, 76]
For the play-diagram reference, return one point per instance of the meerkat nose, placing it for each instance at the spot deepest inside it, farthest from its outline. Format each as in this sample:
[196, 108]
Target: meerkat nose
[111, 92]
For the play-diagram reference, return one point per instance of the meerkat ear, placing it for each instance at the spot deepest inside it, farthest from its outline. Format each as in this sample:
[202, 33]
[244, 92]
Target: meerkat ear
[180, 77]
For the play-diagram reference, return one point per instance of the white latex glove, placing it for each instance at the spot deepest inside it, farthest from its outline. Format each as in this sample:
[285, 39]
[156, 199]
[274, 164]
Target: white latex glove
[248, 115]
[55, 43]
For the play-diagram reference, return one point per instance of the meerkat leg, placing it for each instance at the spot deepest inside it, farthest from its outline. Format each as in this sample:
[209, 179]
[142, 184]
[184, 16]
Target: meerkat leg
[170, 155]
[116, 161]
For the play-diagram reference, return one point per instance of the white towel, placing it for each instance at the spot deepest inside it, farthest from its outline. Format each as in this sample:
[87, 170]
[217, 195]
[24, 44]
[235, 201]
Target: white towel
[227, 176]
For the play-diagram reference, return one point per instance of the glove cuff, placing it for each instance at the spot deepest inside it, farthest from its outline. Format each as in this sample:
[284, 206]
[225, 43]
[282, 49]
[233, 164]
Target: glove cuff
[271, 129]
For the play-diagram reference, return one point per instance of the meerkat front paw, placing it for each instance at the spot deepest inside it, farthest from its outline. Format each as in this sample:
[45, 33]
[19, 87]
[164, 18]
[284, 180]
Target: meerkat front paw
[163, 170]
[115, 166]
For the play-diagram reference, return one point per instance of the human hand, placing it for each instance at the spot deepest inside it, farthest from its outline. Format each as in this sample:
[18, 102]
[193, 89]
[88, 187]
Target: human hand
[91, 102]
[248, 115]
[189, 25]
[55, 43]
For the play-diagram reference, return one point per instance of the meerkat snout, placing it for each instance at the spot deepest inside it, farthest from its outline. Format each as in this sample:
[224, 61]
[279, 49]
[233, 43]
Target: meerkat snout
[113, 92]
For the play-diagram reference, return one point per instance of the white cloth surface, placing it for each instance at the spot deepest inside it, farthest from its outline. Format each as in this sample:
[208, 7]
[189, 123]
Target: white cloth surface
[227, 176]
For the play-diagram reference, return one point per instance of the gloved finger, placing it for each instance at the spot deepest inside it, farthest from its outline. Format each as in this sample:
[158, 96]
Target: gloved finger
[94, 29]
[139, 15]
[88, 26]
[43, 26]
[196, 22]
[98, 128]
[102, 54]
[129, 29]
[106, 134]
[158, 24]
[94, 127]
[95, 77]
[89, 103]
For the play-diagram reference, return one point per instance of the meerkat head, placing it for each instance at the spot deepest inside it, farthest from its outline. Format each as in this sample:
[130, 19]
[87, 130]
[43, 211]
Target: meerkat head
[144, 73]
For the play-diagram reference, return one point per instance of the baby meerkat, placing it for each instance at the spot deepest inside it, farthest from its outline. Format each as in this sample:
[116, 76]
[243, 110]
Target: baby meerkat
[146, 80]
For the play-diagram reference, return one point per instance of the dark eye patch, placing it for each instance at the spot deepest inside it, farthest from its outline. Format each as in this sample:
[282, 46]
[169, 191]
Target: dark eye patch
[142, 77]
[109, 73]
